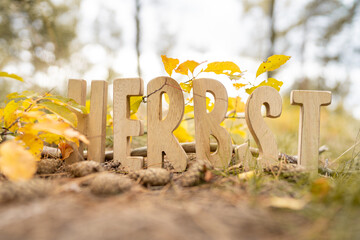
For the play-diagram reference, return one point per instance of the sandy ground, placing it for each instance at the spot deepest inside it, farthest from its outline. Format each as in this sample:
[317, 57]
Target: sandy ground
[202, 212]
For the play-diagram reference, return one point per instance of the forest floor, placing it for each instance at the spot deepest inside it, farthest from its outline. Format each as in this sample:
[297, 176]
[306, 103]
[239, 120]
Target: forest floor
[219, 205]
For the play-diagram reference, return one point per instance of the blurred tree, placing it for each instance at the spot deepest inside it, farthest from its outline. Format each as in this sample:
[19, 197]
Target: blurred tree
[138, 34]
[38, 32]
[323, 32]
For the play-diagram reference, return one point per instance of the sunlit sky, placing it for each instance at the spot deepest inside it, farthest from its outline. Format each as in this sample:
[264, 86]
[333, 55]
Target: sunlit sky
[199, 30]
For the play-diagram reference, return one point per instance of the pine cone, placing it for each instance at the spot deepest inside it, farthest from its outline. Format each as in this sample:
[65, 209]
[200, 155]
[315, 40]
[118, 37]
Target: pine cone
[48, 165]
[81, 169]
[109, 184]
[195, 174]
[152, 176]
[24, 191]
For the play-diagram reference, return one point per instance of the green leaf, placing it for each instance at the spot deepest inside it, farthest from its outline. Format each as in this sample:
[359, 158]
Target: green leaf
[60, 110]
[271, 82]
[71, 103]
[11, 75]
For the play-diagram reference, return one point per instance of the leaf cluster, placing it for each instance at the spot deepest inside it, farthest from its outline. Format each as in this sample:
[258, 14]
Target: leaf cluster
[34, 120]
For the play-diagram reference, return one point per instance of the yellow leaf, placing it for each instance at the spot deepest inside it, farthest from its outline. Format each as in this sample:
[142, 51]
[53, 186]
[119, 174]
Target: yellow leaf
[209, 104]
[187, 86]
[87, 105]
[33, 143]
[135, 102]
[238, 85]
[62, 111]
[187, 66]
[33, 115]
[238, 131]
[16, 163]
[109, 121]
[50, 138]
[169, 64]
[272, 63]
[60, 128]
[182, 134]
[10, 112]
[228, 68]
[246, 175]
[236, 104]
[188, 109]
[1, 114]
[287, 202]
[13, 76]
[271, 82]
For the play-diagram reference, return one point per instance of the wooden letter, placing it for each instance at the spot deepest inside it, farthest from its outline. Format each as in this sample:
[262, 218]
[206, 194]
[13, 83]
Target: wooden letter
[309, 127]
[268, 96]
[97, 121]
[160, 132]
[243, 156]
[124, 127]
[207, 124]
[77, 92]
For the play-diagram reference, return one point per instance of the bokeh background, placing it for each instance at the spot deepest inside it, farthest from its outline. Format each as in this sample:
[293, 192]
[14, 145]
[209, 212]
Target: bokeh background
[48, 42]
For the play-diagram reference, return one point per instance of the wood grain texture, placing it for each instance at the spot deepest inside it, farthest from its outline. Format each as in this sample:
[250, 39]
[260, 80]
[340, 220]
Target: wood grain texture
[264, 138]
[77, 92]
[309, 126]
[160, 131]
[207, 124]
[96, 127]
[124, 127]
[243, 156]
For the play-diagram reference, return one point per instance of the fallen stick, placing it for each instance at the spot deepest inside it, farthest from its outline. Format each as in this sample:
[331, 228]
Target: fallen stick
[188, 148]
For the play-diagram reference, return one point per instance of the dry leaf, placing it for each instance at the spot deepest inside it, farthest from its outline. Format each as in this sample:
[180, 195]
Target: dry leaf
[65, 150]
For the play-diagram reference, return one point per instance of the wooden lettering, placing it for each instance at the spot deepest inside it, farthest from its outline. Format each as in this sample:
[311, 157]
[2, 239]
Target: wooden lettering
[268, 96]
[160, 131]
[97, 121]
[243, 156]
[309, 127]
[207, 124]
[124, 127]
[77, 92]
